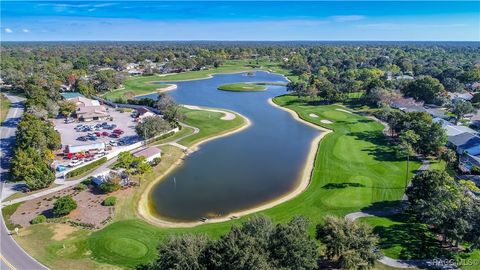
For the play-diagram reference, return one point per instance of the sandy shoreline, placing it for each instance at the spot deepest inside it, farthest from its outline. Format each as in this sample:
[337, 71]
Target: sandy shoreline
[304, 182]
[143, 204]
[209, 76]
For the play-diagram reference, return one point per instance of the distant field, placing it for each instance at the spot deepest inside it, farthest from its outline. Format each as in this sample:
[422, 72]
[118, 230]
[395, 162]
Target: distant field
[143, 85]
[4, 106]
[242, 87]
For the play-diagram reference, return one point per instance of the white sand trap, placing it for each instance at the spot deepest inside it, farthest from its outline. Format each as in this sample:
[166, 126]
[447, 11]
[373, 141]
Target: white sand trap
[342, 110]
[313, 115]
[228, 115]
[326, 121]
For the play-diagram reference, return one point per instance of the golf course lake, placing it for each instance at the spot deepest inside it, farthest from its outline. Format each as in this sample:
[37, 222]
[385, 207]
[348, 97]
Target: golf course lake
[239, 171]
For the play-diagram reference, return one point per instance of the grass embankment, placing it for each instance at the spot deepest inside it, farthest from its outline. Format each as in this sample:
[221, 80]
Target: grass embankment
[242, 87]
[79, 172]
[143, 85]
[355, 167]
[209, 123]
[4, 107]
[7, 212]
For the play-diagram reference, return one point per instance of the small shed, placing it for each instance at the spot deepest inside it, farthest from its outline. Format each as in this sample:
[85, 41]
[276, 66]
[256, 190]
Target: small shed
[150, 153]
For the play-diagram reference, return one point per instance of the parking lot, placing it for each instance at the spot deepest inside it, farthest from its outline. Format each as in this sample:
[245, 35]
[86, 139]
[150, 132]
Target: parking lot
[123, 121]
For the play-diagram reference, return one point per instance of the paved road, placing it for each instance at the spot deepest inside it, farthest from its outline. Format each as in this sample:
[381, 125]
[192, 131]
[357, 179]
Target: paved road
[12, 256]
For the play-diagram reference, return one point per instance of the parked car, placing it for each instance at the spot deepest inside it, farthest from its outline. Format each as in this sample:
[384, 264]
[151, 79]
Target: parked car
[112, 126]
[74, 163]
[105, 133]
[98, 133]
[82, 138]
[69, 120]
[118, 131]
[114, 135]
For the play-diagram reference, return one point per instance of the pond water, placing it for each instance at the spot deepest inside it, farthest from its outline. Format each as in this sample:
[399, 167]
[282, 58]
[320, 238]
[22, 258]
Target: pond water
[239, 171]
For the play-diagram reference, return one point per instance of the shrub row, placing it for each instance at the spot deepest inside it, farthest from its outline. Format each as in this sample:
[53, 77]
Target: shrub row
[87, 167]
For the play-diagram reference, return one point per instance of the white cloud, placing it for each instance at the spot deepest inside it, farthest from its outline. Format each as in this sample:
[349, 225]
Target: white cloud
[25, 30]
[347, 18]
[405, 26]
[8, 30]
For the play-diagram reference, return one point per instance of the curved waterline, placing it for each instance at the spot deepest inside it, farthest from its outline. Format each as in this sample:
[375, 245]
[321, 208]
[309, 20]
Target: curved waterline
[303, 182]
[278, 154]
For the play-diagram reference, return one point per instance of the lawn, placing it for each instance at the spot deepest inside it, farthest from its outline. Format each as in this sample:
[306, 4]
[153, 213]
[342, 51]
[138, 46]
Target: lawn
[402, 237]
[7, 212]
[209, 124]
[4, 106]
[355, 168]
[242, 87]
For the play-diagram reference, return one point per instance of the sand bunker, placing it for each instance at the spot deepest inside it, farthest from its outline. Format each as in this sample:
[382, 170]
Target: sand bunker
[313, 115]
[326, 121]
[227, 115]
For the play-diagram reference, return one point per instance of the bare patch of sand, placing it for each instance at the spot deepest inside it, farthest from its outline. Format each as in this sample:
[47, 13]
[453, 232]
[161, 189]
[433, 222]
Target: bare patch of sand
[326, 121]
[227, 115]
[62, 231]
[313, 115]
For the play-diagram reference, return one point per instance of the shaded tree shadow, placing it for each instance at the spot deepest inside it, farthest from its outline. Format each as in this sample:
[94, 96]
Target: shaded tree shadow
[415, 240]
[342, 185]
[383, 149]
[385, 207]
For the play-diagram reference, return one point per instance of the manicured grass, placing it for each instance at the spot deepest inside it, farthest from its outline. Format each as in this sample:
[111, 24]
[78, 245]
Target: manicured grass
[209, 124]
[7, 212]
[72, 252]
[355, 168]
[242, 87]
[79, 172]
[402, 237]
[183, 132]
[135, 86]
[4, 107]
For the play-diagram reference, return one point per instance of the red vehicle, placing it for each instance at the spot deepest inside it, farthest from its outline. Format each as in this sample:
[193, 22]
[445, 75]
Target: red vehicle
[115, 135]
[105, 133]
[98, 133]
[118, 131]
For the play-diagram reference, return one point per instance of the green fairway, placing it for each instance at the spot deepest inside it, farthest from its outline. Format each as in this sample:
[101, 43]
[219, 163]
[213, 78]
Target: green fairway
[242, 87]
[209, 123]
[354, 168]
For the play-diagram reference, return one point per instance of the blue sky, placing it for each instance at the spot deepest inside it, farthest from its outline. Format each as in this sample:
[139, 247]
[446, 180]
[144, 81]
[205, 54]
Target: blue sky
[230, 20]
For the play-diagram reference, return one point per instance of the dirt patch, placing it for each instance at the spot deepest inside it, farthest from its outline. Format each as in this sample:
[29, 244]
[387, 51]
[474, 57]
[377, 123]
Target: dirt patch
[61, 231]
[89, 207]
[326, 121]
[313, 115]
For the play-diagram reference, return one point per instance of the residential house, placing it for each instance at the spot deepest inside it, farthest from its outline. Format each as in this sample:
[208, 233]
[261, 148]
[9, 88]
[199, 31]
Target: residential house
[407, 104]
[453, 130]
[109, 174]
[465, 143]
[456, 97]
[142, 113]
